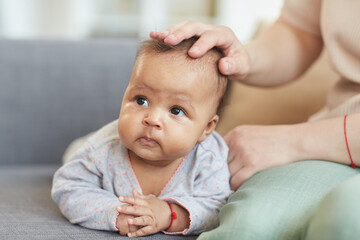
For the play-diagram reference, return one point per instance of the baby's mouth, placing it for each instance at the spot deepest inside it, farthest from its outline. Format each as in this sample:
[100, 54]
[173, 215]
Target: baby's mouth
[148, 142]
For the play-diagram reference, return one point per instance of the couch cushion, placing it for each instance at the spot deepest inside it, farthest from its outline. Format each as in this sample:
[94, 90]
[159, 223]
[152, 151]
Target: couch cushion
[28, 212]
[54, 91]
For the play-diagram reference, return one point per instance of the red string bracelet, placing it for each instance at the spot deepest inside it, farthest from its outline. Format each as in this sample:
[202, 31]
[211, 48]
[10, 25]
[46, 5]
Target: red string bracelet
[347, 144]
[173, 216]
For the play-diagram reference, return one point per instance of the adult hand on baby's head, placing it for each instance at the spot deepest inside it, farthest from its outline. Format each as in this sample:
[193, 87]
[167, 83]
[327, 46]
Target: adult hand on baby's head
[255, 148]
[152, 214]
[235, 63]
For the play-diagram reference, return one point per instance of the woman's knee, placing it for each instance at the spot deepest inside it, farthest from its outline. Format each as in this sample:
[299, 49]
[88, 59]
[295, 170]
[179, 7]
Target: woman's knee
[239, 220]
[338, 214]
[277, 203]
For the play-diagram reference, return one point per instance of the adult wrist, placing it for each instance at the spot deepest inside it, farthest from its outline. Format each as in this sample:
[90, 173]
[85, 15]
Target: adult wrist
[297, 142]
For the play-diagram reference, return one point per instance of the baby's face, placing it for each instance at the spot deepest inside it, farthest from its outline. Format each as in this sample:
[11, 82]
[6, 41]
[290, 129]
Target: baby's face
[166, 108]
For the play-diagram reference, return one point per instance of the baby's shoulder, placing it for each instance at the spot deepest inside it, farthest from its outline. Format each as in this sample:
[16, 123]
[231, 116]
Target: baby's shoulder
[213, 146]
[214, 142]
[105, 136]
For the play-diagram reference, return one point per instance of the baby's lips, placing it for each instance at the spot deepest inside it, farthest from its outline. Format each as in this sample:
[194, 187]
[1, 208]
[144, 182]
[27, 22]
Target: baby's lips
[148, 141]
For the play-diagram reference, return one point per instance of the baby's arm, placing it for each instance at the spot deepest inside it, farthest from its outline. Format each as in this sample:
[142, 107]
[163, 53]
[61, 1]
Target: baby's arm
[182, 220]
[211, 189]
[195, 214]
[153, 215]
[79, 192]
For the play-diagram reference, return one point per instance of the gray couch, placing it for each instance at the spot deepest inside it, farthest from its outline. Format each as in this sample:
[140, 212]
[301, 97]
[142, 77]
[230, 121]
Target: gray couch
[52, 92]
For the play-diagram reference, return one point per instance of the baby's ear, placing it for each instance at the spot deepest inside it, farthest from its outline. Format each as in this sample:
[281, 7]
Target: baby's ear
[210, 127]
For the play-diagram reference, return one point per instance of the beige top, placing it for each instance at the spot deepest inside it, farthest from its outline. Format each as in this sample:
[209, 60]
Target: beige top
[338, 23]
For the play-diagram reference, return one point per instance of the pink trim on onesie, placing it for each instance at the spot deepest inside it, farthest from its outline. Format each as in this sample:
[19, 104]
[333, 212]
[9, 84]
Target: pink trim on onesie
[172, 177]
[169, 198]
[117, 215]
[137, 181]
[132, 170]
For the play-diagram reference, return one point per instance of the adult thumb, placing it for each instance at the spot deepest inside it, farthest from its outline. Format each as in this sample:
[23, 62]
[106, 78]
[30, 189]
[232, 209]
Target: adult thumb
[226, 66]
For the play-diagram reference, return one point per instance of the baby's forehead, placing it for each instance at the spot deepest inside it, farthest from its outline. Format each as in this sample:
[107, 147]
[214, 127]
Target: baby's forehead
[203, 66]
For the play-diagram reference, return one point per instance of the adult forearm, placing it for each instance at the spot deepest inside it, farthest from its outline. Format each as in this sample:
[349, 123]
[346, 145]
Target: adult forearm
[280, 54]
[325, 140]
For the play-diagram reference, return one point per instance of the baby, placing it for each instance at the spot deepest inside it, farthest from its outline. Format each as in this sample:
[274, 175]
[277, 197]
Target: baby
[160, 166]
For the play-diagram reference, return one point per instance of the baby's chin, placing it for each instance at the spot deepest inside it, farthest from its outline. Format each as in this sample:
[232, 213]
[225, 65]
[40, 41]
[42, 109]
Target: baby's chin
[153, 158]
[145, 154]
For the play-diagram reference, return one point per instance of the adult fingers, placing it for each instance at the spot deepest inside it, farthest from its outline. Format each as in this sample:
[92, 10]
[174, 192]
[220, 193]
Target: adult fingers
[185, 31]
[236, 66]
[236, 60]
[163, 34]
[219, 36]
[155, 34]
[235, 165]
[240, 176]
[172, 29]
[230, 138]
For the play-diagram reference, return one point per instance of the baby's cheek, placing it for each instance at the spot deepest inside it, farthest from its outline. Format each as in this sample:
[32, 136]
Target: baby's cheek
[181, 145]
[124, 128]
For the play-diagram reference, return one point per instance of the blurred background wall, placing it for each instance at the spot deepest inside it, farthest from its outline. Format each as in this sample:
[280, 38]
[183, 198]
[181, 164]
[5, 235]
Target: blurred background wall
[85, 19]
[79, 19]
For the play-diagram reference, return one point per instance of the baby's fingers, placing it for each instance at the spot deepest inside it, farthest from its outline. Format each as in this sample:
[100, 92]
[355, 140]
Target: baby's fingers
[142, 232]
[136, 194]
[141, 221]
[132, 200]
[134, 210]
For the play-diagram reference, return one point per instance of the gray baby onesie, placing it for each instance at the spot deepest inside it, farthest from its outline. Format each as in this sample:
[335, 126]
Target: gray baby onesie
[88, 185]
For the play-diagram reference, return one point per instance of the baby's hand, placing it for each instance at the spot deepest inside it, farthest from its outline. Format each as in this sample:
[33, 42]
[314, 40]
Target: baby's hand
[151, 214]
[123, 226]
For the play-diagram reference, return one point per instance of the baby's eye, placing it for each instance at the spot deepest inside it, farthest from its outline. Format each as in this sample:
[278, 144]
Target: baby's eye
[177, 111]
[142, 101]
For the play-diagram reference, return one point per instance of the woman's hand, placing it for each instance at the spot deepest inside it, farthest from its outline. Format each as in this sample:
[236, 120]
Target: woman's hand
[236, 60]
[151, 214]
[255, 148]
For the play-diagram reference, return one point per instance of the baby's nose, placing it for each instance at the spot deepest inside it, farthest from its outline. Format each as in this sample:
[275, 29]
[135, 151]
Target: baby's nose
[153, 119]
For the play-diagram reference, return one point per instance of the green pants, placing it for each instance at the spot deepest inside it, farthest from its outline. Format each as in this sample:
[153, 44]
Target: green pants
[304, 200]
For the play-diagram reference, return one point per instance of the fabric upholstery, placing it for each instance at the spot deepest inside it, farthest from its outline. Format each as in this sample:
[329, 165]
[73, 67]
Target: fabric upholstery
[54, 91]
[28, 212]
